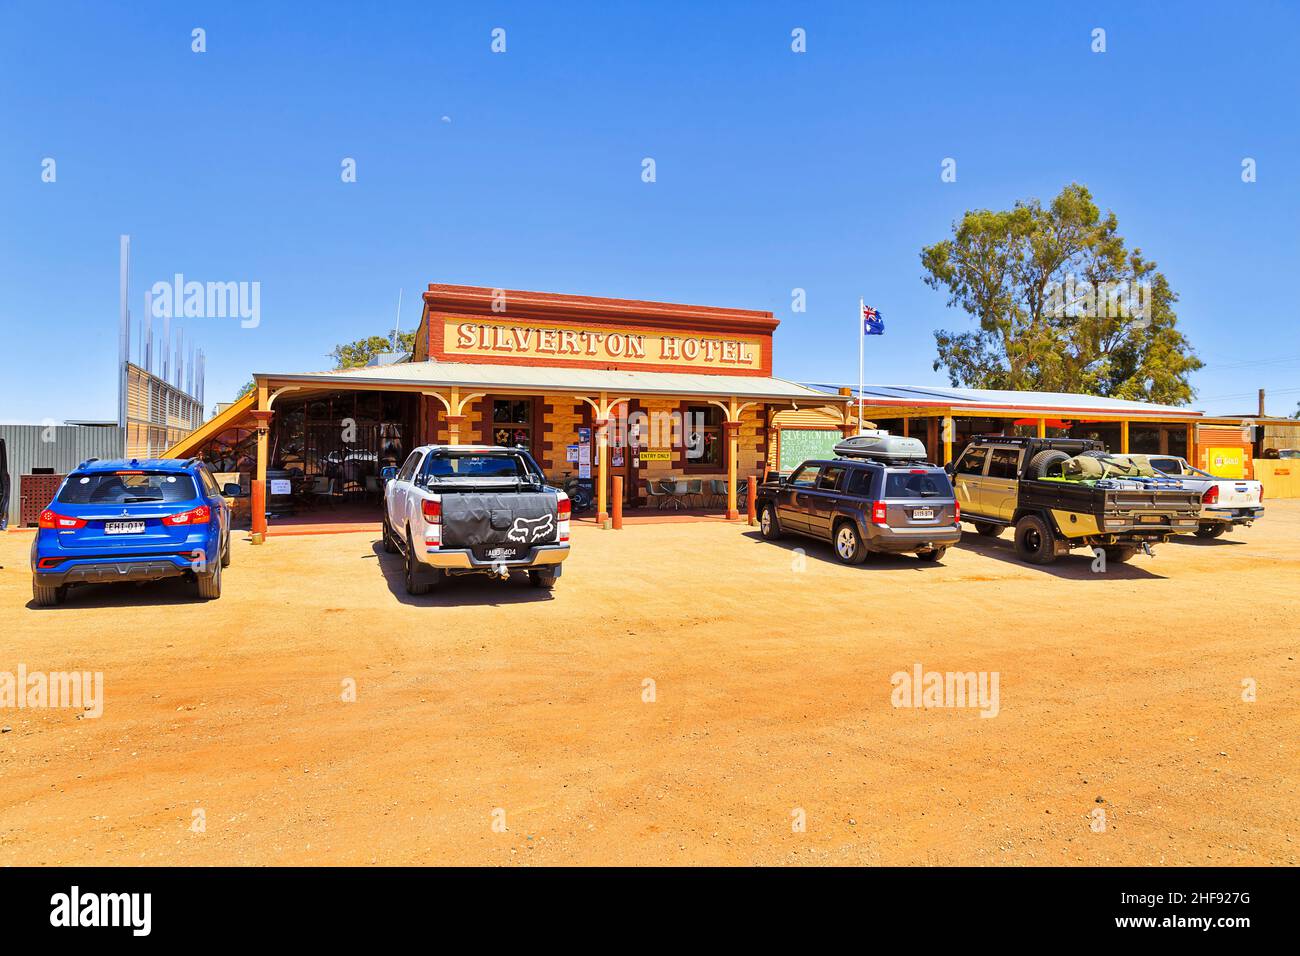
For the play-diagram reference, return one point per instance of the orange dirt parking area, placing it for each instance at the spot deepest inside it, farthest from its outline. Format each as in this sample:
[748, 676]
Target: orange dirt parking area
[689, 694]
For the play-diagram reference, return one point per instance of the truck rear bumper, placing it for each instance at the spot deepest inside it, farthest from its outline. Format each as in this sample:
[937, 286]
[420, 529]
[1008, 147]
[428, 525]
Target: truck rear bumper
[463, 559]
[1232, 515]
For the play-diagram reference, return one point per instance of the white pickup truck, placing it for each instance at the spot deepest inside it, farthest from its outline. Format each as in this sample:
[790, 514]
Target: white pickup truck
[474, 509]
[1225, 502]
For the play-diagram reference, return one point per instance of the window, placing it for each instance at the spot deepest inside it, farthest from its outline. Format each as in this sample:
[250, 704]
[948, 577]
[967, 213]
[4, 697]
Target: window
[1170, 466]
[972, 463]
[804, 477]
[512, 422]
[121, 488]
[829, 479]
[408, 469]
[452, 466]
[906, 484]
[703, 436]
[860, 482]
[1004, 463]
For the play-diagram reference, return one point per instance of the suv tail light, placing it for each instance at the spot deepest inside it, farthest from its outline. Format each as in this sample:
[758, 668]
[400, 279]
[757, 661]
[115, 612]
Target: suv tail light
[564, 508]
[879, 512]
[956, 508]
[50, 519]
[194, 516]
[1211, 495]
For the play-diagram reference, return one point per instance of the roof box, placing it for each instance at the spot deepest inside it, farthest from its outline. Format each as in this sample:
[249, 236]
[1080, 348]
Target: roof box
[881, 446]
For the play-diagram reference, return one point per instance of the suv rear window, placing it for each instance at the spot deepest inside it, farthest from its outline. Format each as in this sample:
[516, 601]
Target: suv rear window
[906, 484]
[127, 487]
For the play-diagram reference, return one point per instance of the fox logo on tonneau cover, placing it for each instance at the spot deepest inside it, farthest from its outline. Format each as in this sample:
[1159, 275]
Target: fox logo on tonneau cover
[532, 529]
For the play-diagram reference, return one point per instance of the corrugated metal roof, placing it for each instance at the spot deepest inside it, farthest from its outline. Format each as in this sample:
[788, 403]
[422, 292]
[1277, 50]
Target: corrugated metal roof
[1001, 398]
[561, 379]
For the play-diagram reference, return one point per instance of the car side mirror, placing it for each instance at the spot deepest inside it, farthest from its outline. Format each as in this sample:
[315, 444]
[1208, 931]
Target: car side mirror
[388, 474]
[950, 468]
[231, 490]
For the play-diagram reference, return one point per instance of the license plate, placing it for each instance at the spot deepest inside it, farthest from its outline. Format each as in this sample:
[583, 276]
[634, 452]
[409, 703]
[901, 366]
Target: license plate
[922, 513]
[506, 553]
[124, 527]
[1151, 519]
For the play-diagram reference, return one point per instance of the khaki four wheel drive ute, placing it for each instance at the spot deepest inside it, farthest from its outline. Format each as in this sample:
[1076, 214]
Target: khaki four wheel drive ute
[1056, 494]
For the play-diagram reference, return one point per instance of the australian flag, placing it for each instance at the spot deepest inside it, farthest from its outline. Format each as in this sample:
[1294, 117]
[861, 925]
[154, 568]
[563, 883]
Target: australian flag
[873, 323]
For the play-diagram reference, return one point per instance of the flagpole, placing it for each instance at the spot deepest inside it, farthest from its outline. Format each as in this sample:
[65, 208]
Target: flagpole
[862, 337]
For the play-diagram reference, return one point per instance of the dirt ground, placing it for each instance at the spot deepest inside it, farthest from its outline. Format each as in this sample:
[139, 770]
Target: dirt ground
[491, 704]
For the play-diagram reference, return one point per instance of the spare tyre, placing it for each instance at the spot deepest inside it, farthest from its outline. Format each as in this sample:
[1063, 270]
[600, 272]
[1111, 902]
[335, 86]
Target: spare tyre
[1041, 464]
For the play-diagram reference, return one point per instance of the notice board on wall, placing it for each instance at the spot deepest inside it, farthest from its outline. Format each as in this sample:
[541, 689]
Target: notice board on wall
[797, 445]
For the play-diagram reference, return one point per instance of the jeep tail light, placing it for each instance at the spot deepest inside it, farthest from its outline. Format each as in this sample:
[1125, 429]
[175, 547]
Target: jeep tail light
[879, 512]
[199, 515]
[50, 519]
[564, 508]
[1211, 495]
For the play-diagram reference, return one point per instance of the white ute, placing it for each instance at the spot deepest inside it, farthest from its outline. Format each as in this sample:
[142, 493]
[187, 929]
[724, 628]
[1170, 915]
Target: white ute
[474, 509]
[1225, 502]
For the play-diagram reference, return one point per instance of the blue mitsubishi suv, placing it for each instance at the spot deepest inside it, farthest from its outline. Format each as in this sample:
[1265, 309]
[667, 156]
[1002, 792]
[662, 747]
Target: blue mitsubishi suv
[137, 520]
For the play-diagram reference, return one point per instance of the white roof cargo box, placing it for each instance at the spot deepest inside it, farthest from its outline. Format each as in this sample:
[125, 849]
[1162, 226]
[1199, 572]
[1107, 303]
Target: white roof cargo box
[881, 446]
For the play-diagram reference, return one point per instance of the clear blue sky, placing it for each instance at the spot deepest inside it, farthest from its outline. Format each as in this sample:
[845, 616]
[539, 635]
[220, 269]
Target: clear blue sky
[775, 170]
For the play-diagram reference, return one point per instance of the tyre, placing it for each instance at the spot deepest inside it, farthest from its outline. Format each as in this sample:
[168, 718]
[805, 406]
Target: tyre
[544, 579]
[767, 523]
[1119, 555]
[225, 552]
[209, 584]
[1211, 529]
[417, 581]
[1035, 541]
[848, 545]
[934, 554]
[390, 542]
[1041, 464]
[43, 596]
[986, 529]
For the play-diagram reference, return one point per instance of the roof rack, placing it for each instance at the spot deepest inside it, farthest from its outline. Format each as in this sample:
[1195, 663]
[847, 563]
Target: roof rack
[86, 462]
[879, 445]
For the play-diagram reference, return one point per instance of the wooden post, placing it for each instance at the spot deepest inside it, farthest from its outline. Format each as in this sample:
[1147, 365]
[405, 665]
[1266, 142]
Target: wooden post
[907, 427]
[1191, 444]
[751, 497]
[617, 510]
[258, 498]
[453, 428]
[1042, 428]
[947, 438]
[602, 470]
[1123, 437]
[732, 430]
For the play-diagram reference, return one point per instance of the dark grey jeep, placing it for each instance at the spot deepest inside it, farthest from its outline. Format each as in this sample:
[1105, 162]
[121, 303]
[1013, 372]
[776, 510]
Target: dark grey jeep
[880, 494]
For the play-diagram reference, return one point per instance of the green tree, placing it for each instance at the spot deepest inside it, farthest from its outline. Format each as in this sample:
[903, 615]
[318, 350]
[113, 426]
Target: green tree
[1060, 305]
[358, 353]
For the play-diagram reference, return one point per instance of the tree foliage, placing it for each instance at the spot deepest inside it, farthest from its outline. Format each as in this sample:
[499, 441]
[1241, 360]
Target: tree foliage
[358, 353]
[1048, 288]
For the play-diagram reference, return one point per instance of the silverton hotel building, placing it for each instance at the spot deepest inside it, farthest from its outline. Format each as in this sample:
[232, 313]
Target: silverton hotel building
[593, 387]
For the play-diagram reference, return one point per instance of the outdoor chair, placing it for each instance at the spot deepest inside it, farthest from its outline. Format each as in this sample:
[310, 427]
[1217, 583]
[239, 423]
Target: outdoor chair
[681, 491]
[654, 494]
[695, 490]
[717, 490]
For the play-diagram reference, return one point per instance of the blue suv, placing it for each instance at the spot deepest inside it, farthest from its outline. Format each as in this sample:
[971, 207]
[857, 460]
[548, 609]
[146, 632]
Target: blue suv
[137, 520]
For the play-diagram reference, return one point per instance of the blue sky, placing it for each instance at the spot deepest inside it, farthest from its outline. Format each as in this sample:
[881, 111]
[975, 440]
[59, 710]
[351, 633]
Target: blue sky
[775, 170]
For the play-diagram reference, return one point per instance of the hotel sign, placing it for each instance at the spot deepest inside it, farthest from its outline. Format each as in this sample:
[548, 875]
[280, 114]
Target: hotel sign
[470, 339]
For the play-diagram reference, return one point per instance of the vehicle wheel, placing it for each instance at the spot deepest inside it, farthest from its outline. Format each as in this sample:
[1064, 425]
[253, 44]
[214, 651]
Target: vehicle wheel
[225, 552]
[1210, 529]
[209, 584]
[934, 554]
[1042, 463]
[390, 542]
[848, 546]
[1035, 542]
[544, 579]
[986, 529]
[1119, 555]
[43, 596]
[417, 582]
[768, 525]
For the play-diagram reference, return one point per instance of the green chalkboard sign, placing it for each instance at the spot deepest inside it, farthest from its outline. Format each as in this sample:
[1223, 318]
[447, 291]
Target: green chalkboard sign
[800, 444]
